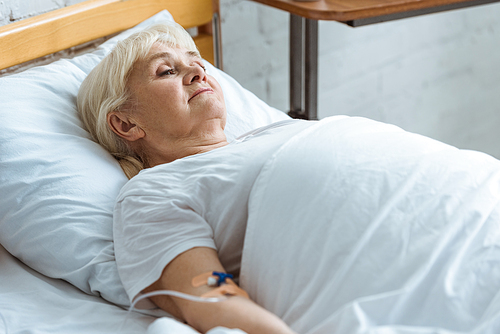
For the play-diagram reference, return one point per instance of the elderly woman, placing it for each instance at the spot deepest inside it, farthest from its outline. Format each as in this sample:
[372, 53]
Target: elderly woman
[398, 229]
[150, 103]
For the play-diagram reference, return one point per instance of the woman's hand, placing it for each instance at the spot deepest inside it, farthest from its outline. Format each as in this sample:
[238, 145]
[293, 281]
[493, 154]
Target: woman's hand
[235, 312]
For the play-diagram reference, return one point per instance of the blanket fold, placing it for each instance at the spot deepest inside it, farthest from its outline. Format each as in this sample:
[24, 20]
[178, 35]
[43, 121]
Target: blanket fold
[356, 226]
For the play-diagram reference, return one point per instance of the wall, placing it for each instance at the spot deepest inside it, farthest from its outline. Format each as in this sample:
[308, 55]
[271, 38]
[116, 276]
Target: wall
[438, 75]
[15, 10]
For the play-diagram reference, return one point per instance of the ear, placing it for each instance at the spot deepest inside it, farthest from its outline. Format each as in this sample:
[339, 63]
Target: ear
[124, 127]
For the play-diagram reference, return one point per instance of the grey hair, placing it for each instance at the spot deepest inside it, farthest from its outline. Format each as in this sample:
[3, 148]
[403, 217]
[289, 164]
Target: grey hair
[105, 88]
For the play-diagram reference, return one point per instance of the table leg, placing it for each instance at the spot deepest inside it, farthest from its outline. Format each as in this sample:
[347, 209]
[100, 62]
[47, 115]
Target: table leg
[311, 69]
[303, 72]
[296, 68]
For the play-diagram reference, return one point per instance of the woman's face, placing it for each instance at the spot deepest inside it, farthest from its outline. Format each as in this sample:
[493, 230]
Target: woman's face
[174, 99]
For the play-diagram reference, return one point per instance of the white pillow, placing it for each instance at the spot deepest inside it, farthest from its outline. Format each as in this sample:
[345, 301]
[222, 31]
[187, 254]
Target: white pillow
[58, 187]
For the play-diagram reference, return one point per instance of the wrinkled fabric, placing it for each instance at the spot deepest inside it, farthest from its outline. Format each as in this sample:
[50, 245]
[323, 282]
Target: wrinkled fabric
[360, 227]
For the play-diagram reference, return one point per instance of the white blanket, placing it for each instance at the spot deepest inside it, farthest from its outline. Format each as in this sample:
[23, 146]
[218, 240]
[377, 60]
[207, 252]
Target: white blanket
[359, 227]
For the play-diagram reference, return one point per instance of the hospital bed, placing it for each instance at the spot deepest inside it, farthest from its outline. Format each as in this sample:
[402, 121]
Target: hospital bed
[57, 269]
[391, 232]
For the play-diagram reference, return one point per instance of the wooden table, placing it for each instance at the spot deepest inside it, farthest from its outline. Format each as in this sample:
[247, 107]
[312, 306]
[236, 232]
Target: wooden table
[304, 18]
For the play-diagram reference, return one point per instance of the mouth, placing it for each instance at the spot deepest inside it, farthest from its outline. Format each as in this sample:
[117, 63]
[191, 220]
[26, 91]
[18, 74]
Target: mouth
[201, 91]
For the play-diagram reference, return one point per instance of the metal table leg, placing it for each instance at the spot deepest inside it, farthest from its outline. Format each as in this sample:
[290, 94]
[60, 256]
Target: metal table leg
[311, 69]
[303, 68]
[296, 61]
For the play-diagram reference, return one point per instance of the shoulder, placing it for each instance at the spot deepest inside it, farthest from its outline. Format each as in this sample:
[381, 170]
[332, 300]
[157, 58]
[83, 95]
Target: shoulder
[149, 182]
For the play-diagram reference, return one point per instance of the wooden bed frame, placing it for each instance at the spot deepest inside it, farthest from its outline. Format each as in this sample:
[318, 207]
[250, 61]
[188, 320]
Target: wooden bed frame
[70, 26]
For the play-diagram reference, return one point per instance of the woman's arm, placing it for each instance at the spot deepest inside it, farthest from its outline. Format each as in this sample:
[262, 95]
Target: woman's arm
[235, 312]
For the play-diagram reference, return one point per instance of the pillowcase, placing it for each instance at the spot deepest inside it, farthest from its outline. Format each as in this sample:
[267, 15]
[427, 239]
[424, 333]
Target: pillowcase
[59, 187]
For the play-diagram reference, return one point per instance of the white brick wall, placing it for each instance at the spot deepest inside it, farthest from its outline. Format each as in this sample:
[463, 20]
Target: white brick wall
[438, 75]
[255, 46]
[15, 10]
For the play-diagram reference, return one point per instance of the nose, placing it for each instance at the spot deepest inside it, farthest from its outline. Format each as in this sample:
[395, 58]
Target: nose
[195, 74]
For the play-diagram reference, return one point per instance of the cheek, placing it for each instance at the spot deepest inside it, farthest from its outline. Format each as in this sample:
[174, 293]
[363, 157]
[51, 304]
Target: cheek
[167, 101]
[215, 85]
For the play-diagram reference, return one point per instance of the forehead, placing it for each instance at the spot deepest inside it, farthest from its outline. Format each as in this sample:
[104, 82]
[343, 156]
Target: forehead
[161, 51]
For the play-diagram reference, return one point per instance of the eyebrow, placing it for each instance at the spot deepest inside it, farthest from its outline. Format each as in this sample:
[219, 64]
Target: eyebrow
[166, 54]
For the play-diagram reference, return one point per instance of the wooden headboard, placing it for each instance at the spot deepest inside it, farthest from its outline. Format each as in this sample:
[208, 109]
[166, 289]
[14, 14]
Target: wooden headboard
[70, 26]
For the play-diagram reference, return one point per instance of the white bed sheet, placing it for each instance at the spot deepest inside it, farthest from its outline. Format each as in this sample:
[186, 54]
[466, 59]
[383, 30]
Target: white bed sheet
[31, 303]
